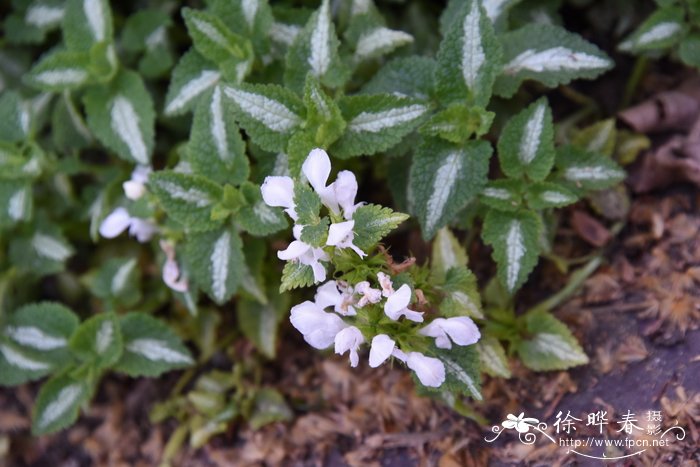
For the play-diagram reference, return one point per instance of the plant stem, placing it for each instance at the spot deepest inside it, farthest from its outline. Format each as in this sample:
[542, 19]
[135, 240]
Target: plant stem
[640, 67]
[575, 282]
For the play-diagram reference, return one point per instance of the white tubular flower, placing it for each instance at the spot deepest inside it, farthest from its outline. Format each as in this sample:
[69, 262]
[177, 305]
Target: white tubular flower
[318, 327]
[430, 371]
[171, 270]
[396, 305]
[381, 349]
[345, 193]
[119, 220]
[305, 254]
[317, 169]
[339, 297]
[279, 192]
[461, 330]
[350, 339]
[341, 235]
[385, 284]
[136, 187]
[368, 294]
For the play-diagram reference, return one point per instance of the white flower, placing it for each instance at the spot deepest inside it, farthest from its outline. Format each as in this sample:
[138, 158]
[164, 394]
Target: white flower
[461, 330]
[341, 235]
[397, 305]
[338, 296]
[350, 339]
[171, 270]
[136, 187]
[318, 327]
[120, 219]
[345, 192]
[382, 347]
[369, 295]
[317, 169]
[385, 284]
[279, 192]
[430, 371]
[305, 254]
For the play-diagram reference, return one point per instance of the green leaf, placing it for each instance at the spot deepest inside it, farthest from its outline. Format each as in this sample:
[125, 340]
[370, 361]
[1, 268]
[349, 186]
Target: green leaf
[296, 275]
[15, 117]
[307, 204]
[587, 170]
[60, 70]
[20, 162]
[462, 372]
[469, 58]
[44, 251]
[216, 149]
[257, 218]
[661, 30]
[493, 357]
[16, 202]
[216, 261]
[34, 342]
[186, 198]
[689, 50]
[117, 280]
[323, 114]
[98, 341]
[545, 195]
[514, 238]
[268, 113]
[379, 40]
[372, 223]
[150, 347]
[121, 116]
[444, 178]
[315, 51]
[377, 122]
[410, 76]
[58, 404]
[192, 77]
[260, 322]
[29, 25]
[146, 32]
[461, 294]
[548, 54]
[447, 253]
[551, 346]
[251, 18]
[215, 41]
[269, 407]
[457, 123]
[87, 23]
[526, 145]
[504, 195]
[69, 130]
[599, 137]
[316, 234]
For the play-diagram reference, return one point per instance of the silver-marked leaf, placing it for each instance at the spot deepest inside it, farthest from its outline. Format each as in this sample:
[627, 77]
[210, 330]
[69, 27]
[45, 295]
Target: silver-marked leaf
[257, 218]
[548, 54]
[583, 170]
[315, 51]
[504, 195]
[260, 322]
[268, 113]
[526, 145]
[379, 41]
[146, 33]
[192, 77]
[121, 116]
[410, 76]
[86, 23]
[117, 282]
[469, 58]
[551, 345]
[69, 132]
[16, 202]
[462, 370]
[187, 198]
[250, 18]
[216, 148]
[461, 294]
[324, 118]
[600, 137]
[444, 178]
[545, 195]
[150, 347]
[44, 251]
[372, 223]
[377, 122]
[58, 404]
[60, 70]
[98, 341]
[15, 117]
[216, 262]
[447, 253]
[514, 238]
[29, 23]
[493, 357]
[663, 29]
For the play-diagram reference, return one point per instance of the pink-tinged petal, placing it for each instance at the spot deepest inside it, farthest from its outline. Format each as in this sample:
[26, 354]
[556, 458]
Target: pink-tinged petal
[339, 232]
[141, 229]
[293, 251]
[171, 277]
[397, 302]
[345, 191]
[317, 169]
[134, 190]
[116, 223]
[430, 371]
[328, 295]
[386, 284]
[381, 349]
[461, 330]
[141, 173]
[279, 192]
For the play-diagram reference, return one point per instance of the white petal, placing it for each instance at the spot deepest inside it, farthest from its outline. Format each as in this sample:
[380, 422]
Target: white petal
[430, 371]
[134, 190]
[339, 232]
[398, 301]
[345, 192]
[115, 223]
[319, 271]
[349, 338]
[416, 316]
[278, 192]
[435, 329]
[141, 229]
[461, 330]
[171, 277]
[293, 251]
[317, 169]
[381, 349]
[306, 316]
[328, 295]
[141, 173]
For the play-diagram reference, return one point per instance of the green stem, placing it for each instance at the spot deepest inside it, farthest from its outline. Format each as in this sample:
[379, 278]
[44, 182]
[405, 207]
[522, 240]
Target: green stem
[576, 281]
[638, 71]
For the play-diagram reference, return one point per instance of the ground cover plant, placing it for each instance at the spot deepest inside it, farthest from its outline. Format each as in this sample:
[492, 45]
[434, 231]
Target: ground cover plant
[177, 178]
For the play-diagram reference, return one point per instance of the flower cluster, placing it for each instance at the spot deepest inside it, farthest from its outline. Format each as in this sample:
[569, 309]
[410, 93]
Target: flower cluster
[338, 197]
